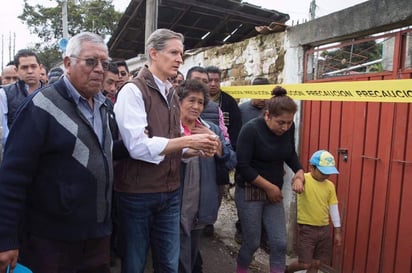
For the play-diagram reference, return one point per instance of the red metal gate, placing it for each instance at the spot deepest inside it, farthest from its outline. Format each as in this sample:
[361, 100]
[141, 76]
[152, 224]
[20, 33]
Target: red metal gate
[372, 143]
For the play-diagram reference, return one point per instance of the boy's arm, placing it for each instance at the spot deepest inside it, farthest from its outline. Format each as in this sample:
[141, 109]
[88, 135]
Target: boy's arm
[338, 236]
[334, 215]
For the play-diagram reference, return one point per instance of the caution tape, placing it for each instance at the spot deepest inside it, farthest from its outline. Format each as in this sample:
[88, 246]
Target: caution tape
[366, 91]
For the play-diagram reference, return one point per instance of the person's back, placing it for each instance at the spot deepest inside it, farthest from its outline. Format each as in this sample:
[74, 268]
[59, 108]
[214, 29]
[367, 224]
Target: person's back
[54, 74]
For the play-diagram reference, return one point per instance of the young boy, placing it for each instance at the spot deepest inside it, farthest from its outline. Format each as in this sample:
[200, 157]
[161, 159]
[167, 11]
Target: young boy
[315, 204]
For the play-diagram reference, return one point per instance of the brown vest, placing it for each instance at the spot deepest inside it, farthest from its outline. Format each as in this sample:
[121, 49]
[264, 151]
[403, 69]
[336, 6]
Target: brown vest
[136, 176]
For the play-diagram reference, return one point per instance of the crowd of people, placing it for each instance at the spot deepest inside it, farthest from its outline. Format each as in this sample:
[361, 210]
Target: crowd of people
[100, 162]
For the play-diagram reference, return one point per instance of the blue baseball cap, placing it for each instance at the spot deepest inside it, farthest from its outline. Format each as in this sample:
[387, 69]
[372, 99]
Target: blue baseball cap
[19, 269]
[324, 162]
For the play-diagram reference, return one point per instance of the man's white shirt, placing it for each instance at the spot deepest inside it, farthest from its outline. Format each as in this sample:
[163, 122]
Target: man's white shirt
[131, 118]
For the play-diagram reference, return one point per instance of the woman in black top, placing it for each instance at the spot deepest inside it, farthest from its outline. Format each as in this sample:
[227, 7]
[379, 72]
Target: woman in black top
[264, 145]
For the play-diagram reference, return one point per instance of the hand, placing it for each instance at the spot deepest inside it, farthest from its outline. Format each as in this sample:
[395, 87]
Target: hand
[338, 237]
[205, 142]
[191, 152]
[201, 129]
[8, 257]
[298, 184]
[274, 194]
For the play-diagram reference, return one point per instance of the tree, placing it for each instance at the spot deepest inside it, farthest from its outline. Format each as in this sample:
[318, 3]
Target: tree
[98, 16]
[49, 56]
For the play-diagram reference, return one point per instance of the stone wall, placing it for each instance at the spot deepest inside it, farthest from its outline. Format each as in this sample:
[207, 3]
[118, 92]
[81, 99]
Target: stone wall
[263, 56]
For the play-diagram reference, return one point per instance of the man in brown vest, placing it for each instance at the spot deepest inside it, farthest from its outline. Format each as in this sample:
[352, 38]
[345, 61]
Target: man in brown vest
[147, 185]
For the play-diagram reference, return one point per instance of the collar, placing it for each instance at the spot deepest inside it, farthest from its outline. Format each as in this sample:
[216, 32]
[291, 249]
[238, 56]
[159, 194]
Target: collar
[99, 97]
[162, 85]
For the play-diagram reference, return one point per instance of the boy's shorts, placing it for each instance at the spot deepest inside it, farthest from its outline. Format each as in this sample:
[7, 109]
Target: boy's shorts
[314, 243]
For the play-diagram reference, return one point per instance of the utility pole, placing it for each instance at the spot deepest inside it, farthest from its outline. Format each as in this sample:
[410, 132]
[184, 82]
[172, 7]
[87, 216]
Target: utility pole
[2, 51]
[312, 10]
[64, 20]
[151, 18]
[10, 56]
[14, 44]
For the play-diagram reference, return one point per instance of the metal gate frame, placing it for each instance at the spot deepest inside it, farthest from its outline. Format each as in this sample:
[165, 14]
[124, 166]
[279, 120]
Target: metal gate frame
[373, 186]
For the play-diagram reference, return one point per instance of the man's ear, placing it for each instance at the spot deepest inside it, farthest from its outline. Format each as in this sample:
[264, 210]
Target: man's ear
[67, 63]
[153, 53]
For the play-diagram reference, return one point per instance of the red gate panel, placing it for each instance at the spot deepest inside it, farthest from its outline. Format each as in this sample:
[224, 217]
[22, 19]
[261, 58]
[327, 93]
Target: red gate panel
[374, 188]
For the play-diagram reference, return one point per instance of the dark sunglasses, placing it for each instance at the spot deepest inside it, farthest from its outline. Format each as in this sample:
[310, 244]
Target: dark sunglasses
[93, 62]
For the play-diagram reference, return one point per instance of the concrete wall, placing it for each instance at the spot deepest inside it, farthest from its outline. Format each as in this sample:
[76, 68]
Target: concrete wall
[373, 16]
[367, 18]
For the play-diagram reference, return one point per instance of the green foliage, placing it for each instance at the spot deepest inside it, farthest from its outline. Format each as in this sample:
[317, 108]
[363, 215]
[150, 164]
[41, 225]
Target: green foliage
[50, 57]
[98, 16]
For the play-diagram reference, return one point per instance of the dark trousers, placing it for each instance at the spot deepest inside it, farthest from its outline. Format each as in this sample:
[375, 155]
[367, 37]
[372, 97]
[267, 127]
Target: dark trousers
[51, 256]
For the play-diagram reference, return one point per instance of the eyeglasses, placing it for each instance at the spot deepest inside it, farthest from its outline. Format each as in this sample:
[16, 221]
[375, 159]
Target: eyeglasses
[123, 73]
[93, 62]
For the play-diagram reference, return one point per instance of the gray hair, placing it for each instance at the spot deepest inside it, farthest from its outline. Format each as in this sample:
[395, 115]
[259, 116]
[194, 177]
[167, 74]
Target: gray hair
[74, 46]
[159, 38]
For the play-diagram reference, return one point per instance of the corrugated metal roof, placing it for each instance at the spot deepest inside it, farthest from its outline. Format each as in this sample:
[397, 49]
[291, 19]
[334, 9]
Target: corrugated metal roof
[203, 23]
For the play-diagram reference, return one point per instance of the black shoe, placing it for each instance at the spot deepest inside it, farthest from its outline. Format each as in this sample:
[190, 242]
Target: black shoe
[209, 230]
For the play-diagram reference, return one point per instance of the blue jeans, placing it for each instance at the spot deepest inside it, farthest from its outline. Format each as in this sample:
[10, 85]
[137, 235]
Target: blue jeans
[149, 219]
[252, 214]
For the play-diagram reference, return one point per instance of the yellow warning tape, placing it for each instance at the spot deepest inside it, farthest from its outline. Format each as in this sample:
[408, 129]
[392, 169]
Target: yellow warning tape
[367, 91]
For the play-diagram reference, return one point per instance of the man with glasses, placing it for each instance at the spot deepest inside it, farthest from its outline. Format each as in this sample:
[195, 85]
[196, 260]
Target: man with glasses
[28, 69]
[124, 74]
[56, 175]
